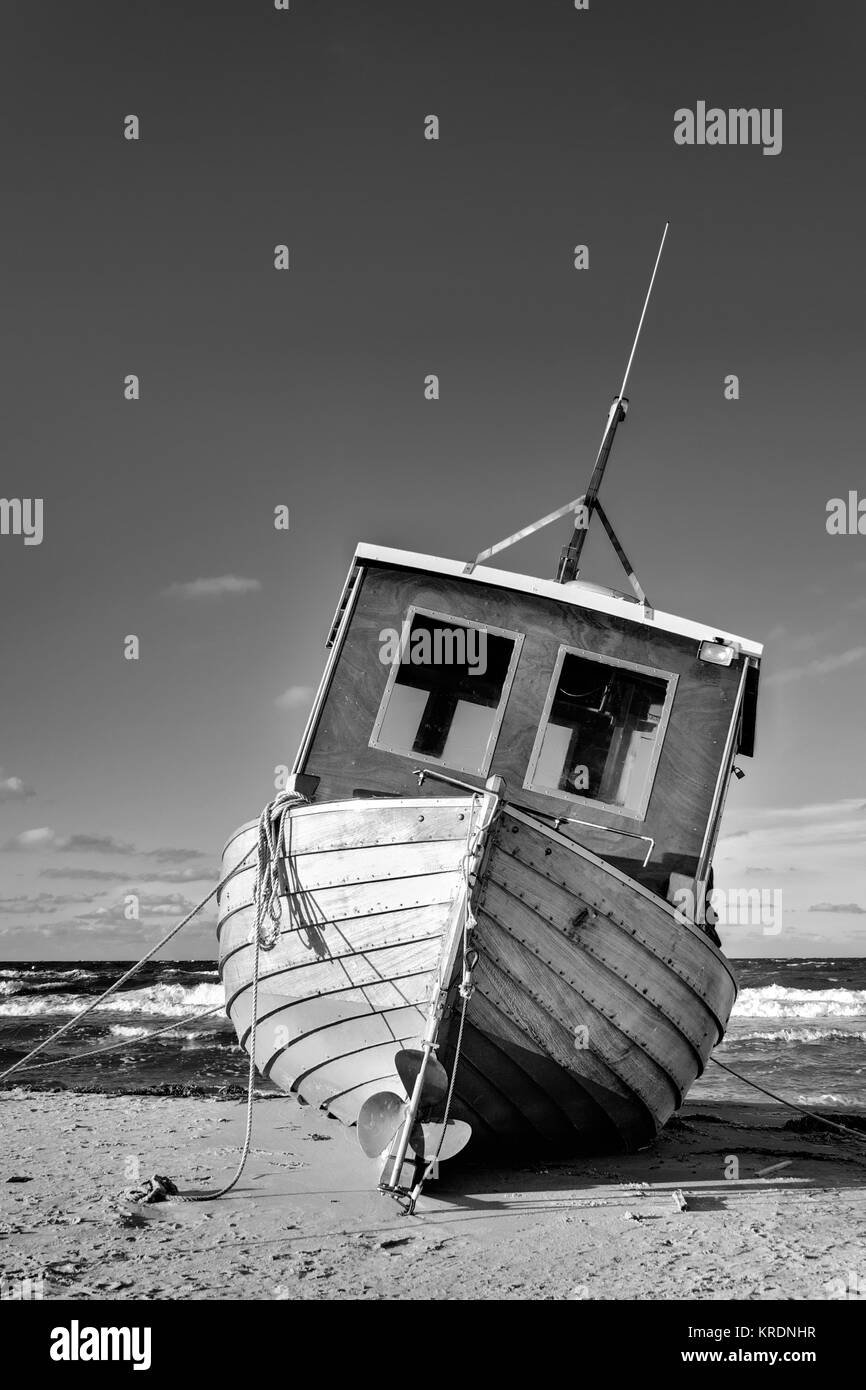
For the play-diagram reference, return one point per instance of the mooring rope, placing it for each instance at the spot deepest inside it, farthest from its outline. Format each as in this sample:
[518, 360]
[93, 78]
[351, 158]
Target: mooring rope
[127, 1042]
[127, 975]
[267, 891]
[834, 1124]
[270, 836]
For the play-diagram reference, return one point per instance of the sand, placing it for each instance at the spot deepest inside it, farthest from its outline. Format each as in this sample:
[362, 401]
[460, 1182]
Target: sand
[307, 1223]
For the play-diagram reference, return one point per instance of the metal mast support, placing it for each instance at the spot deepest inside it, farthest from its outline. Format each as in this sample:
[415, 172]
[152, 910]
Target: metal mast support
[587, 504]
[569, 564]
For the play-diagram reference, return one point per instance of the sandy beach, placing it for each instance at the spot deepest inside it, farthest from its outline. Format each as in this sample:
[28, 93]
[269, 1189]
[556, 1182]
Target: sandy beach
[305, 1221]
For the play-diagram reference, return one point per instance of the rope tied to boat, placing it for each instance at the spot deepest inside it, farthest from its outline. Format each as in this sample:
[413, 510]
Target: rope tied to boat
[270, 837]
[127, 975]
[267, 899]
[821, 1119]
[270, 882]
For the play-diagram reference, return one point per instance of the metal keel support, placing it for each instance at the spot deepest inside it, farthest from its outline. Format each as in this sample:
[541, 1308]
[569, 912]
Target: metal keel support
[490, 800]
[394, 1164]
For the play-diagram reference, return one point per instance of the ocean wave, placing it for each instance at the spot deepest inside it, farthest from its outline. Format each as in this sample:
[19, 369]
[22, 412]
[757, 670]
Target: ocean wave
[161, 1001]
[801, 1035]
[813, 1098]
[43, 979]
[133, 1031]
[777, 1001]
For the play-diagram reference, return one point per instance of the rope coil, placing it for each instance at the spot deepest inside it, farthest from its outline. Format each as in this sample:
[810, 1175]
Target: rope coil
[270, 884]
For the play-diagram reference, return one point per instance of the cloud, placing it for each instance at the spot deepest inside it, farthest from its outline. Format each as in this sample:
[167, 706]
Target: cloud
[174, 856]
[97, 875]
[93, 844]
[206, 873]
[196, 863]
[813, 810]
[54, 917]
[42, 902]
[41, 837]
[794, 641]
[827, 823]
[150, 904]
[161, 908]
[816, 850]
[821, 666]
[13, 789]
[295, 697]
[218, 587]
[849, 908]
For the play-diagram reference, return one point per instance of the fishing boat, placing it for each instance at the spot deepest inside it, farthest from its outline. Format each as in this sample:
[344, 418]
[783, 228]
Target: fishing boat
[492, 858]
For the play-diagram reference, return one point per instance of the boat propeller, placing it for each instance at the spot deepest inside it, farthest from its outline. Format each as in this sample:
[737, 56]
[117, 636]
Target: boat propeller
[383, 1116]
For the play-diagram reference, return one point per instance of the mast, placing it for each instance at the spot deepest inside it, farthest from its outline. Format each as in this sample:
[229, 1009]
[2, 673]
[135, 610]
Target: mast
[588, 505]
[569, 562]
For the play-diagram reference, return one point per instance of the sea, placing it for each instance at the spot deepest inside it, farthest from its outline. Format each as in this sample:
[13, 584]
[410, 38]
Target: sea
[798, 1029]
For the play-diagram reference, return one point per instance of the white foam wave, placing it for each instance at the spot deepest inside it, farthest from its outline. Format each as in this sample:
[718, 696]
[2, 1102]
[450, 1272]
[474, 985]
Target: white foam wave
[827, 1098]
[12, 980]
[802, 1035]
[161, 1001]
[125, 1030]
[777, 1001]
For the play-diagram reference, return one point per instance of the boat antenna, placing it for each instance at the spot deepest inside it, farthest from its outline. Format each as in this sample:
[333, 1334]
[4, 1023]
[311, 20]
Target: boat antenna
[587, 504]
[569, 563]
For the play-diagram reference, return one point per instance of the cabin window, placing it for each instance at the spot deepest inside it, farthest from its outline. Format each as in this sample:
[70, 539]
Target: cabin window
[446, 691]
[601, 732]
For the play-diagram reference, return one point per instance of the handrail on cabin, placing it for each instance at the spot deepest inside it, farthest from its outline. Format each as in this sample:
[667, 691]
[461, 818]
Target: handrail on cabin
[494, 786]
[593, 824]
[422, 773]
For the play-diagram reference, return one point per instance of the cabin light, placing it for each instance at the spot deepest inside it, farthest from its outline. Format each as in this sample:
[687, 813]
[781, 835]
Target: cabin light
[719, 653]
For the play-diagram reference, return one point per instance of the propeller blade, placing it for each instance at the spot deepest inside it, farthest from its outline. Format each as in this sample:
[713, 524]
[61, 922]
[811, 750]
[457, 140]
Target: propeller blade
[379, 1120]
[455, 1136]
[435, 1087]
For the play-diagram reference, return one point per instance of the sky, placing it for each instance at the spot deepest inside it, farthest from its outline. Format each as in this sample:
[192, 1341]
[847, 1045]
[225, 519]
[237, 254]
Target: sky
[304, 388]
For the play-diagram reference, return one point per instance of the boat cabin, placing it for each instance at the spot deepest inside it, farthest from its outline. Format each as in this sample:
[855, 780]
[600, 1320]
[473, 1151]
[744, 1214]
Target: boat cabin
[613, 722]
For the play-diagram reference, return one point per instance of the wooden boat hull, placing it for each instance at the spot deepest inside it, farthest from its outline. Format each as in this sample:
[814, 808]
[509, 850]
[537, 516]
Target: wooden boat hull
[370, 890]
[594, 1006]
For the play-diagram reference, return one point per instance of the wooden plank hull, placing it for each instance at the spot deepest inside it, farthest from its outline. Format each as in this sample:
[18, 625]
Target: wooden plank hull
[370, 887]
[594, 1007]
